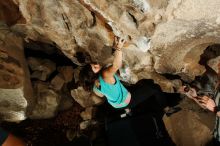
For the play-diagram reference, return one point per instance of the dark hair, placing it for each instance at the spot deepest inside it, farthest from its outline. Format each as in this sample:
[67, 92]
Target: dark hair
[87, 77]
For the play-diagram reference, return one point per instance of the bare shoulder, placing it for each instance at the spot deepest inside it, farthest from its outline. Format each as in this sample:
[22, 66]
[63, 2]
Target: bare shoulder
[108, 78]
[109, 71]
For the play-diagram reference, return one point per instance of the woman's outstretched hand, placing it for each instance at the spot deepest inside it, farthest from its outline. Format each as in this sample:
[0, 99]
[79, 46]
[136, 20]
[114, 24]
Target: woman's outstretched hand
[208, 103]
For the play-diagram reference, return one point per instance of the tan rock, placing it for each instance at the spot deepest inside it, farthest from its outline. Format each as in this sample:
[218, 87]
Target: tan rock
[57, 82]
[47, 102]
[42, 68]
[39, 75]
[85, 98]
[16, 93]
[87, 114]
[67, 72]
[85, 124]
[76, 74]
[177, 30]
[190, 126]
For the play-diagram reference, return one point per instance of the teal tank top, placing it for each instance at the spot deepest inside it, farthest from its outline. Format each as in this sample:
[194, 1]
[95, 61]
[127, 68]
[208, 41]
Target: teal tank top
[116, 93]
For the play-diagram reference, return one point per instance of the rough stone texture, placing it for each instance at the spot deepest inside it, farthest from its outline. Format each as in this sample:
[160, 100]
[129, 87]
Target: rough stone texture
[85, 98]
[168, 35]
[83, 125]
[66, 102]
[163, 36]
[47, 102]
[15, 87]
[57, 82]
[214, 64]
[191, 126]
[42, 68]
[87, 114]
[182, 48]
[67, 73]
[76, 74]
[10, 13]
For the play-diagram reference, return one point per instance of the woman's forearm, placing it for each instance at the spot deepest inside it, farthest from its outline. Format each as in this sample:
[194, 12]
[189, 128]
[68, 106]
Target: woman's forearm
[117, 62]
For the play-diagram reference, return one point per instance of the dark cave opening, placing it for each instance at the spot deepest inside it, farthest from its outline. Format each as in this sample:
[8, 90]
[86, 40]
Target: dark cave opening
[45, 50]
[208, 82]
[49, 51]
[55, 131]
[47, 63]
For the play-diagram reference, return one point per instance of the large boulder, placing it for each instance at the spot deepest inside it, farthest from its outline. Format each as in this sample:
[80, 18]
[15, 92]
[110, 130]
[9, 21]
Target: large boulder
[16, 96]
[164, 37]
[57, 82]
[192, 126]
[67, 73]
[47, 102]
[41, 68]
[85, 98]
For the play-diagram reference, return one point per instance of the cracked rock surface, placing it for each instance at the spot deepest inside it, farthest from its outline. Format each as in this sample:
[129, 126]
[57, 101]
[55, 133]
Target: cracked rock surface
[162, 37]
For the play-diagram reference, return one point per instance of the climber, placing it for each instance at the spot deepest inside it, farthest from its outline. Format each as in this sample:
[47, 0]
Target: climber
[7, 139]
[104, 81]
[208, 103]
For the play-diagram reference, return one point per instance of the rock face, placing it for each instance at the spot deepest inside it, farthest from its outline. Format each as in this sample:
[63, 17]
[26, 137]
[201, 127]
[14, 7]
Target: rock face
[163, 37]
[47, 102]
[85, 98]
[87, 114]
[191, 126]
[15, 86]
[41, 68]
[67, 72]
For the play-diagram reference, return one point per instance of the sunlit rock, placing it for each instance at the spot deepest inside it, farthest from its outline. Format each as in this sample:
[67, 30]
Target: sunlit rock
[85, 98]
[16, 96]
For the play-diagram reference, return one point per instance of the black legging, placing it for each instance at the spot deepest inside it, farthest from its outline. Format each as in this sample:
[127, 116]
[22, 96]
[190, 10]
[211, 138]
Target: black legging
[145, 89]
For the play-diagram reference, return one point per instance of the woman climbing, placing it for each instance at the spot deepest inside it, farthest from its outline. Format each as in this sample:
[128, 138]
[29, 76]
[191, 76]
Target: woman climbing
[104, 81]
